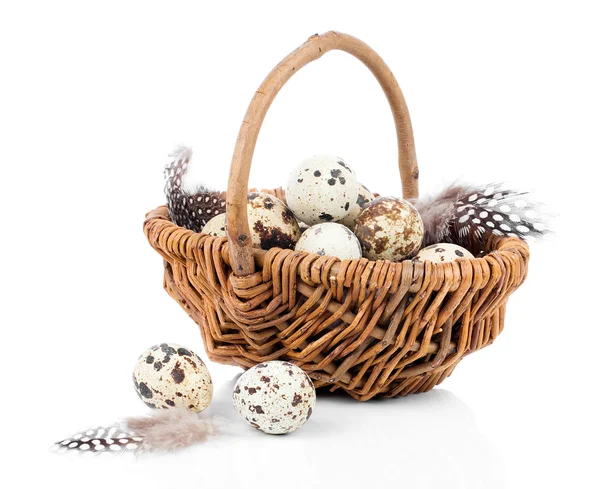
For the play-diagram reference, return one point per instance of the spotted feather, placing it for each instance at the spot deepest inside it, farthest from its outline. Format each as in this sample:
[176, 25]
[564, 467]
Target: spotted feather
[191, 205]
[500, 212]
[461, 213]
[111, 439]
[162, 430]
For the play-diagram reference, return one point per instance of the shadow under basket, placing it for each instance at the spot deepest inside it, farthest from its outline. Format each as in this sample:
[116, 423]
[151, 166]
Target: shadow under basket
[371, 328]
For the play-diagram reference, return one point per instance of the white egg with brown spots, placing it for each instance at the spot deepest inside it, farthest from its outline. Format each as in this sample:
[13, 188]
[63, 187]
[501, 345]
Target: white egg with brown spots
[170, 375]
[330, 239]
[275, 397]
[321, 189]
[389, 229]
[272, 224]
[443, 253]
[216, 227]
[364, 197]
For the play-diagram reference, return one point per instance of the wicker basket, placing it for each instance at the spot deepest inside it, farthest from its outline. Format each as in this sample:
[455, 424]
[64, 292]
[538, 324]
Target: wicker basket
[371, 328]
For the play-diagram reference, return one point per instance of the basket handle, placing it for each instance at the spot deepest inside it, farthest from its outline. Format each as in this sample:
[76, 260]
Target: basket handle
[238, 230]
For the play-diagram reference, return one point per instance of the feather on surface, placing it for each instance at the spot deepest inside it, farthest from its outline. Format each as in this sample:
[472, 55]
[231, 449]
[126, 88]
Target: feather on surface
[173, 429]
[113, 439]
[164, 430]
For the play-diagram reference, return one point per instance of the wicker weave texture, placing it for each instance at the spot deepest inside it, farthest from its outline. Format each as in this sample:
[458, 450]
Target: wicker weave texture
[371, 328]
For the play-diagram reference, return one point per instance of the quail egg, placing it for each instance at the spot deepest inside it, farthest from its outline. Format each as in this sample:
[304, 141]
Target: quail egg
[322, 189]
[389, 229]
[272, 224]
[443, 253]
[331, 239]
[275, 397]
[216, 226]
[169, 375]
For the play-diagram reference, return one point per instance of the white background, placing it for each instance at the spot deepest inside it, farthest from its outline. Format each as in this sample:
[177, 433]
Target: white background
[94, 95]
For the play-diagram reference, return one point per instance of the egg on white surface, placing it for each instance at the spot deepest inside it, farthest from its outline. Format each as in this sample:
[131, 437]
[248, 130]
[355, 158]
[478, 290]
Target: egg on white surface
[216, 226]
[169, 375]
[321, 189]
[275, 397]
[443, 253]
[331, 239]
[364, 197]
[389, 229]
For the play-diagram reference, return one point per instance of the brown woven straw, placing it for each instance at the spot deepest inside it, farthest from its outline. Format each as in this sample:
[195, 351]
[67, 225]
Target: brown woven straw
[371, 328]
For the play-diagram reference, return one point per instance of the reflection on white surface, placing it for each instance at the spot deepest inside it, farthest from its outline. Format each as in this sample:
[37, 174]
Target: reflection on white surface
[419, 441]
[422, 441]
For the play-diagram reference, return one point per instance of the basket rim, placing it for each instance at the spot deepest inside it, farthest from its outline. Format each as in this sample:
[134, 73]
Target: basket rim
[502, 245]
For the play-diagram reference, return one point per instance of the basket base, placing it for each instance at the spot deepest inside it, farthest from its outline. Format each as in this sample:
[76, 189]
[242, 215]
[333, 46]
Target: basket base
[230, 355]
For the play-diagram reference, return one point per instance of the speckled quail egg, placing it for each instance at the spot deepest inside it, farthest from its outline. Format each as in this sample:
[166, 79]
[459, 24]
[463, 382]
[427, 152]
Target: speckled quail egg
[443, 253]
[331, 239]
[321, 189]
[216, 226]
[272, 224]
[169, 375]
[364, 197]
[389, 229]
[275, 397]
